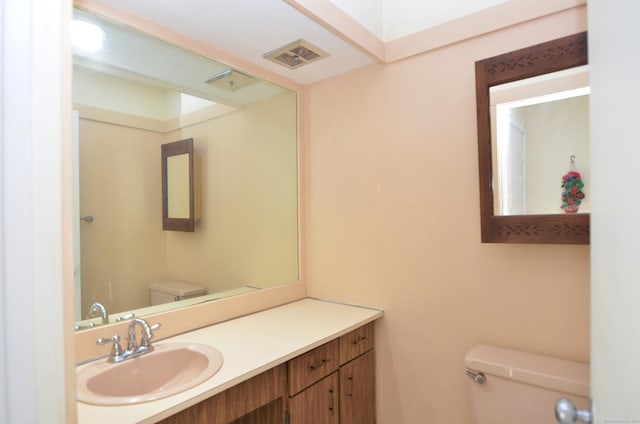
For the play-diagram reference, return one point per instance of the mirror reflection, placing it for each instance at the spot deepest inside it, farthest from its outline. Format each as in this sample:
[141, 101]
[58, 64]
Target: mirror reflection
[134, 93]
[540, 132]
[178, 186]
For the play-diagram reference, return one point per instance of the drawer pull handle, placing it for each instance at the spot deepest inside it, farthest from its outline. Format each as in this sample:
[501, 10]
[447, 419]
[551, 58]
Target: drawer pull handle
[331, 400]
[350, 380]
[322, 363]
[360, 340]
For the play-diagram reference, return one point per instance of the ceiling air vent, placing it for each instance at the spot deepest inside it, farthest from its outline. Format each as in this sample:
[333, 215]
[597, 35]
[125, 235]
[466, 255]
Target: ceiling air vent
[231, 80]
[296, 54]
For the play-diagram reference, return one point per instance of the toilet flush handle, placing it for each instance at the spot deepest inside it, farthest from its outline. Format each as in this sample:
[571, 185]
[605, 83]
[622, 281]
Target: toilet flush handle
[478, 377]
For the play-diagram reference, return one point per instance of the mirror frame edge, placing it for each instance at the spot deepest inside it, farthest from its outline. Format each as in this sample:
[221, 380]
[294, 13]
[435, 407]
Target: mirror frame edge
[551, 56]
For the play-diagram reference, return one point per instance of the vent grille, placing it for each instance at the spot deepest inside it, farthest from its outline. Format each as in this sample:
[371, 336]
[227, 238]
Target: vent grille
[231, 80]
[296, 54]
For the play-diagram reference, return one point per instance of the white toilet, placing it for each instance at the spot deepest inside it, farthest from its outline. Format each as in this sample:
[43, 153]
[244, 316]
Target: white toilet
[521, 387]
[165, 291]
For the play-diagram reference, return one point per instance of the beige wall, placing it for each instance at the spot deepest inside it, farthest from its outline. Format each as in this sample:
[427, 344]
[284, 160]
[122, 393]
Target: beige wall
[104, 91]
[248, 232]
[555, 131]
[120, 186]
[391, 219]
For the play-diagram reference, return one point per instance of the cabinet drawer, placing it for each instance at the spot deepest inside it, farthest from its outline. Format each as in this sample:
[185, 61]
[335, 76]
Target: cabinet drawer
[356, 343]
[313, 366]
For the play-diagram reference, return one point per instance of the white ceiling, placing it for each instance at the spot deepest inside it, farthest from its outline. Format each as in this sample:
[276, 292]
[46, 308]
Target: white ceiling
[250, 28]
[128, 54]
[393, 19]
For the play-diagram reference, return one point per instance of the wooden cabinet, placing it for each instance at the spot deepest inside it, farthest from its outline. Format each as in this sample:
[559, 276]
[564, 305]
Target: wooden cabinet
[331, 384]
[210, 410]
[317, 404]
[357, 390]
[356, 343]
[313, 385]
[259, 400]
[312, 366]
[322, 391]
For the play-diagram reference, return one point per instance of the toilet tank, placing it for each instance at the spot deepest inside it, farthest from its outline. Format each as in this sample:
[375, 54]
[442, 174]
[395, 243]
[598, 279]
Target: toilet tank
[165, 291]
[523, 387]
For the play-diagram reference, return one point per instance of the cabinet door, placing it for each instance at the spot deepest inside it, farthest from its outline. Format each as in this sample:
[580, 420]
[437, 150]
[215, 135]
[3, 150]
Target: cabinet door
[317, 404]
[357, 390]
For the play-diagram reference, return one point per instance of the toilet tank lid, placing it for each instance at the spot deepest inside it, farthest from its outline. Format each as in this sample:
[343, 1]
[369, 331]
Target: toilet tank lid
[552, 373]
[177, 288]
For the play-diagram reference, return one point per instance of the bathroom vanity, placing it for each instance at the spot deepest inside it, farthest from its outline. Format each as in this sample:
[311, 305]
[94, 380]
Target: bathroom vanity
[309, 358]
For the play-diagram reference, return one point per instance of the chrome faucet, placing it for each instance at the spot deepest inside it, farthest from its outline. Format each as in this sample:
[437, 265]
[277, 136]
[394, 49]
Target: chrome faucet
[147, 335]
[133, 348]
[98, 309]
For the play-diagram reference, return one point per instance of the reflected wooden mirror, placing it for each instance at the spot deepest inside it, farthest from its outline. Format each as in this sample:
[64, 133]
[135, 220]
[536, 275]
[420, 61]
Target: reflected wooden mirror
[178, 186]
[540, 60]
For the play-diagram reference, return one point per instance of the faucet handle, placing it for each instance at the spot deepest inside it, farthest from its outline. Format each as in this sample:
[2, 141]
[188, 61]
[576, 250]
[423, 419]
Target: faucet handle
[84, 326]
[146, 339]
[126, 317]
[116, 350]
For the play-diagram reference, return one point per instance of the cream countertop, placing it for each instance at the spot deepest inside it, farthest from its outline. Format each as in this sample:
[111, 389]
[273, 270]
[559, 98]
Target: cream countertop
[250, 345]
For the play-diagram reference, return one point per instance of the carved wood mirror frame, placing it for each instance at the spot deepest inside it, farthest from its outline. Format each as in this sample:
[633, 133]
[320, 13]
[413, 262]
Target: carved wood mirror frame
[544, 58]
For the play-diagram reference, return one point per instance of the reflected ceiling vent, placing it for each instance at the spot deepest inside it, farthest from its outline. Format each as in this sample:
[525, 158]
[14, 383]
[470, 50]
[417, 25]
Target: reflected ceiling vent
[231, 80]
[296, 54]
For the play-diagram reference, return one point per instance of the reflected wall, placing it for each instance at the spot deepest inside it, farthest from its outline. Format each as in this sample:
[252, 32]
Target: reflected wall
[248, 231]
[535, 144]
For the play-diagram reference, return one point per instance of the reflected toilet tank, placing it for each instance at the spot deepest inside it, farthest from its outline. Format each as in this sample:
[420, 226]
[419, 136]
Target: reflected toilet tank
[165, 291]
[522, 387]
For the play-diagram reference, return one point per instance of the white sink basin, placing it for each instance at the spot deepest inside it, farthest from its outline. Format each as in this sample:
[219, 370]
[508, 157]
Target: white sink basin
[170, 369]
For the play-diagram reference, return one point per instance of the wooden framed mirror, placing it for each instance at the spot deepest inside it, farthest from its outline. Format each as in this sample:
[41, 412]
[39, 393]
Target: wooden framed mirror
[178, 186]
[543, 59]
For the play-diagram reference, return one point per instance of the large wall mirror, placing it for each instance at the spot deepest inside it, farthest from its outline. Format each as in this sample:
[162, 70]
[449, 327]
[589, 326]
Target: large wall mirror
[133, 94]
[533, 144]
